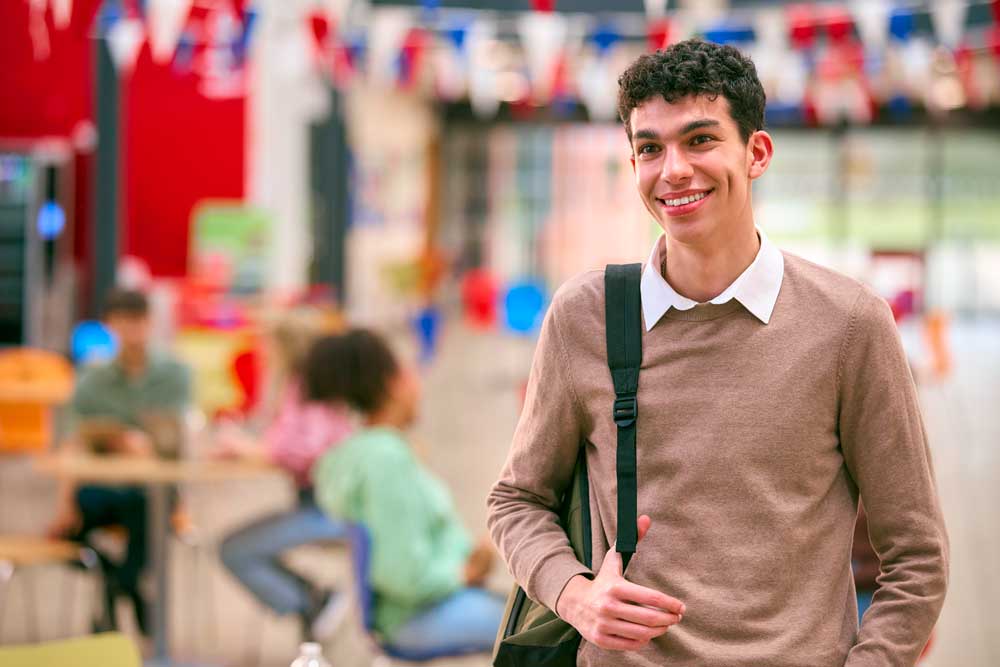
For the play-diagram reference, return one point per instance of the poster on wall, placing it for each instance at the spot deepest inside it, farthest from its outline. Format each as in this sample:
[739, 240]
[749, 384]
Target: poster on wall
[229, 246]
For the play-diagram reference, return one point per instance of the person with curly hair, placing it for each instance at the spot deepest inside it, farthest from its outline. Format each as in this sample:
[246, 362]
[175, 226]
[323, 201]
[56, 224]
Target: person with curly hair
[772, 394]
[426, 573]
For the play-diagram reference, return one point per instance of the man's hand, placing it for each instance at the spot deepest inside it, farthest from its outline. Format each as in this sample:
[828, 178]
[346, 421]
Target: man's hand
[479, 564]
[613, 613]
[136, 443]
[66, 522]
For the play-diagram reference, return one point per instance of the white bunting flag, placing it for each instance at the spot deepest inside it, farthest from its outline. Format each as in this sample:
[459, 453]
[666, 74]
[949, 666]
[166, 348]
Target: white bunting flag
[125, 38]
[948, 17]
[543, 35]
[166, 20]
[483, 94]
[62, 13]
[872, 19]
[655, 9]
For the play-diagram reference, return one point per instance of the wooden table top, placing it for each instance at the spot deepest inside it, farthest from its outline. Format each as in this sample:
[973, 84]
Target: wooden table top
[112, 469]
[35, 550]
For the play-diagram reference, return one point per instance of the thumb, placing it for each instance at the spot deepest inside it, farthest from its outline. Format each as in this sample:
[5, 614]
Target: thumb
[612, 565]
[644, 523]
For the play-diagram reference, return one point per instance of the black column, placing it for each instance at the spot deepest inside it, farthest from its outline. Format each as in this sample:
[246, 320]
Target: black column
[329, 178]
[106, 182]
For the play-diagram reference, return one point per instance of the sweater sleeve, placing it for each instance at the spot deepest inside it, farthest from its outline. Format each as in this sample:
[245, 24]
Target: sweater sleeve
[885, 447]
[523, 504]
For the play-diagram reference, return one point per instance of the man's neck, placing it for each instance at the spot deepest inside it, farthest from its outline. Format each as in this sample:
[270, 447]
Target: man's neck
[133, 363]
[702, 273]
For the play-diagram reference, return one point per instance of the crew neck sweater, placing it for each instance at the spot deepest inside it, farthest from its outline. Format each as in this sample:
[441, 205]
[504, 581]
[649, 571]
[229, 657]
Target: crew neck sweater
[754, 442]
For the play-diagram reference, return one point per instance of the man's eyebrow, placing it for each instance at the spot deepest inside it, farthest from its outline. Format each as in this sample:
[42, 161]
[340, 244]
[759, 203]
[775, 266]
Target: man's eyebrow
[699, 124]
[690, 127]
[645, 134]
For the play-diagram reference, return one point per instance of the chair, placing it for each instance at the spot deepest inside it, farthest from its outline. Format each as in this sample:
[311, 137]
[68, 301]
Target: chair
[109, 649]
[31, 382]
[386, 654]
[21, 552]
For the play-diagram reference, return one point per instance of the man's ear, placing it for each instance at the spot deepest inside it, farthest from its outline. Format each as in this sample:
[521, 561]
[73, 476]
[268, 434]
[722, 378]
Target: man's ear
[760, 149]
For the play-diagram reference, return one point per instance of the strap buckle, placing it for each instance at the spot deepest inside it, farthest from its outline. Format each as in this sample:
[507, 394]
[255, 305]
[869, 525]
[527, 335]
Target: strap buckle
[626, 410]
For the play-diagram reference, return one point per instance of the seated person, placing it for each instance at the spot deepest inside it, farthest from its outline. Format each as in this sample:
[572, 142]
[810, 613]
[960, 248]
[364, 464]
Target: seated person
[297, 433]
[424, 570]
[132, 405]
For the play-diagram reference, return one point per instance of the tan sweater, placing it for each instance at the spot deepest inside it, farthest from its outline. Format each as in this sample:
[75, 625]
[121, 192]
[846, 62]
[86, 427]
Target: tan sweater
[753, 443]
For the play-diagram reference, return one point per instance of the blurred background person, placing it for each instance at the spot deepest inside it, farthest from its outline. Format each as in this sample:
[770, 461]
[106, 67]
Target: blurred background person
[295, 434]
[133, 405]
[425, 571]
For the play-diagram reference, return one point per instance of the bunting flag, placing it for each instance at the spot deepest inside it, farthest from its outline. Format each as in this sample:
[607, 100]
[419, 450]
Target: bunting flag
[597, 83]
[948, 17]
[901, 23]
[658, 34]
[483, 85]
[387, 30]
[62, 13]
[166, 20]
[411, 58]
[872, 20]
[336, 11]
[41, 47]
[838, 24]
[125, 37]
[802, 31]
[655, 9]
[543, 35]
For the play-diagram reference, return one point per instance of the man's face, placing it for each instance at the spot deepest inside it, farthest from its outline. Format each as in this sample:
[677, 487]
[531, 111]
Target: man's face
[693, 169]
[131, 330]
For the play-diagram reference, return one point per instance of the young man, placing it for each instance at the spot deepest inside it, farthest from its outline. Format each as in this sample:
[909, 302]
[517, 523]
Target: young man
[131, 406]
[772, 393]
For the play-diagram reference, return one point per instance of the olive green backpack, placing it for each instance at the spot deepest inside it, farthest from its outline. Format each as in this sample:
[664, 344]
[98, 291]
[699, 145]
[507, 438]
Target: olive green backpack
[530, 634]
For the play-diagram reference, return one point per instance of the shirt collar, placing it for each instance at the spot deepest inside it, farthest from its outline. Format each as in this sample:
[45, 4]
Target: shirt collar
[756, 288]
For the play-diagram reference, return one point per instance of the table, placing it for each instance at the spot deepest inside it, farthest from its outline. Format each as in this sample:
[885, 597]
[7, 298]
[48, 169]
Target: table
[156, 475]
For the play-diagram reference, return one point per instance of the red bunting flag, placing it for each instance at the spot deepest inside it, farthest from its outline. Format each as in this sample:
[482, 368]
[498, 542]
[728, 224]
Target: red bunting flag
[319, 28]
[658, 34]
[546, 6]
[801, 26]
[838, 24]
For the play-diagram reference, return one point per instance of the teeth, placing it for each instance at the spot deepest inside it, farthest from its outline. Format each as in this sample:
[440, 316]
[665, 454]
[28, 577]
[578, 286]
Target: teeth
[685, 200]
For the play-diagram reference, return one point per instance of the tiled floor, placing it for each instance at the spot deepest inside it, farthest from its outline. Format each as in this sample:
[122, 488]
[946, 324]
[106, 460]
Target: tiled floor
[472, 394]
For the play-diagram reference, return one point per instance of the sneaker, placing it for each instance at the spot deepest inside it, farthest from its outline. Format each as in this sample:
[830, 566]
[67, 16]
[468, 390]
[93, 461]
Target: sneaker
[329, 617]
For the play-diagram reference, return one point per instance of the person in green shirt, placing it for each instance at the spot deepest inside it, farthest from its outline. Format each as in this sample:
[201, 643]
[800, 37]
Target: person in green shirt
[425, 571]
[132, 405]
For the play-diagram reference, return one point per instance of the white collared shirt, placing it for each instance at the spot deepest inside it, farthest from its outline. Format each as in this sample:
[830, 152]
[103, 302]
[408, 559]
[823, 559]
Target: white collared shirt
[756, 288]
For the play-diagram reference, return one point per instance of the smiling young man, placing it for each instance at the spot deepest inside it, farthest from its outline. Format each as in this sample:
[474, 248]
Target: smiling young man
[773, 392]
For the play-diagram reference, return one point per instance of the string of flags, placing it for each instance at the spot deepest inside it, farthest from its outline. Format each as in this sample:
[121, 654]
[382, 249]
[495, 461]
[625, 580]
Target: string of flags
[819, 63]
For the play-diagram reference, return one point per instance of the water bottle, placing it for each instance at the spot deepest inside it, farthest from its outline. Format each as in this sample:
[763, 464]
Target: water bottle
[310, 655]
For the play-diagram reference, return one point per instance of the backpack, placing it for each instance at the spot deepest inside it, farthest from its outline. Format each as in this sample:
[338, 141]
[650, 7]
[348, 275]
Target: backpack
[530, 634]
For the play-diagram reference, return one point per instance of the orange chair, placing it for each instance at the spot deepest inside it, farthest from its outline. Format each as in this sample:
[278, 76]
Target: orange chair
[31, 383]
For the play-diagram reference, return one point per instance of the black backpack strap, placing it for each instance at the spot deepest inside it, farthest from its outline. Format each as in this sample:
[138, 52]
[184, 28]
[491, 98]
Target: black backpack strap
[623, 325]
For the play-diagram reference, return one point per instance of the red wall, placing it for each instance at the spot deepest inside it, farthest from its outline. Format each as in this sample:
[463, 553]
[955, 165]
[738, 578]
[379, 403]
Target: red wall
[178, 146]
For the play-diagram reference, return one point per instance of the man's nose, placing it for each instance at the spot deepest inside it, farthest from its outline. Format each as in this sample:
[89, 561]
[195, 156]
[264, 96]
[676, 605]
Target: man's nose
[676, 167]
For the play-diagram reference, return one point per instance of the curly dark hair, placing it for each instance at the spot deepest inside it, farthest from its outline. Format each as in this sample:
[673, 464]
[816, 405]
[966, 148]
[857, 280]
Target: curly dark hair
[695, 67]
[355, 367]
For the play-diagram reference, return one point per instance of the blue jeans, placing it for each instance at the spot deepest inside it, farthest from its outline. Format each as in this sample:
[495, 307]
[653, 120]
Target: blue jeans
[253, 555]
[464, 622]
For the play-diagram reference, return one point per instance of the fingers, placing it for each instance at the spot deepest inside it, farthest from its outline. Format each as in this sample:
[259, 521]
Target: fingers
[644, 523]
[626, 591]
[646, 616]
[626, 630]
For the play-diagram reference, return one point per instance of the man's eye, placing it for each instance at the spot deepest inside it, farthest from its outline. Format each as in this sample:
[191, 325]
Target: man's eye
[701, 139]
[646, 149]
